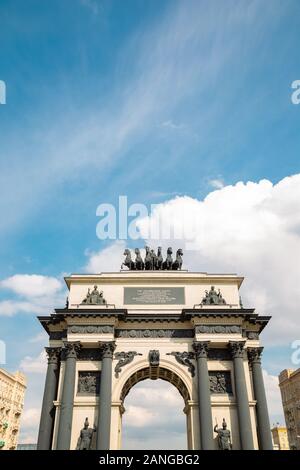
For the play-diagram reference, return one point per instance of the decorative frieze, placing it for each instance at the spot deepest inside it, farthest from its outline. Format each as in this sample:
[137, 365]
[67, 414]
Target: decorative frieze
[89, 354]
[252, 335]
[57, 335]
[219, 329]
[184, 358]
[218, 354]
[124, 358]
[154, 333]
[220, 382]
[90, 329]
[88, 383]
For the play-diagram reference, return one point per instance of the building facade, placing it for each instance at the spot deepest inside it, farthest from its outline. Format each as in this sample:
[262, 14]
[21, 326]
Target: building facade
[12, 391]
[187, 328]
[280, 438]
[289, 383]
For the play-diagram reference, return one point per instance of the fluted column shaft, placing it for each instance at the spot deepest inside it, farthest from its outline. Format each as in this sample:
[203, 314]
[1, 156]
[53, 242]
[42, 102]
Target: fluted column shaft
[104, 413]
[50, 391]
[263, 422]
[67, 400]
[246, 437]
[204, 402]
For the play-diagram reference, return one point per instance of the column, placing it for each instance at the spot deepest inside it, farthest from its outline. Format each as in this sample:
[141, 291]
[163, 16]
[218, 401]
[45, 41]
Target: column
[104, 412]
[263, 423]
[237, 352]
[50, 391]
[205, 416]
[67, 400]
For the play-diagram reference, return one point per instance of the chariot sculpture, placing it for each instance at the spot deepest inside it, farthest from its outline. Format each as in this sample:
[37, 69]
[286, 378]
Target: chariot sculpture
[152, 261]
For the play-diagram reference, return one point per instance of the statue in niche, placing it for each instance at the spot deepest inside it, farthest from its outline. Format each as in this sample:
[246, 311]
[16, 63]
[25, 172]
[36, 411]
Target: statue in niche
[224, 437]
[85, 438]
[94, 298]
[213, 297]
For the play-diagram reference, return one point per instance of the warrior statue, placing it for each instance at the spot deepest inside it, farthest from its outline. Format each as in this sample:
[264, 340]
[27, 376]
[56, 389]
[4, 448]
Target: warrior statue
[128, 261]
[224, 439]
[139, 263]
[178, 262]
[148, 259]
[85, 438]
[169, 260]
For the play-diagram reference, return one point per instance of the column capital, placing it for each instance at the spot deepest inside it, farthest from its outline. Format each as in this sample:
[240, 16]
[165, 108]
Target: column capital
[201, 348]
[254, 355]
[107, 349]
[71, 349]
[53, 354]
[236, 349]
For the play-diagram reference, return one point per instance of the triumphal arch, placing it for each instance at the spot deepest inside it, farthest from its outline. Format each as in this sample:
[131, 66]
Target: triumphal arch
[154, 320]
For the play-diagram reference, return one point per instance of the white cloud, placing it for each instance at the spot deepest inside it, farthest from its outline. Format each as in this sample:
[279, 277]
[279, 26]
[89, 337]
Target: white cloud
[34, 365]
[217, 183]
[8, 308]
[249, 228]
[41, 337]
[32, 285]
[107, 260]
[273, 394]
[138, 416]
[172, 125]
[191, 61]
[154, 417]
[30, 418]
[41, 294]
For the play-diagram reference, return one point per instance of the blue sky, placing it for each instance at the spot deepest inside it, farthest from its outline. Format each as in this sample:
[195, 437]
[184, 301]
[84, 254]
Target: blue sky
[143, 98]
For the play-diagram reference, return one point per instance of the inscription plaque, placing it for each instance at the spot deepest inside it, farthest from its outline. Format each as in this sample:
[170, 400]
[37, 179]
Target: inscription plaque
[154, 295]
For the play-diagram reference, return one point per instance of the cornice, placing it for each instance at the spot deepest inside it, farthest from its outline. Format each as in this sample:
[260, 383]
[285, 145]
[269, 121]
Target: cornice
[142, 277]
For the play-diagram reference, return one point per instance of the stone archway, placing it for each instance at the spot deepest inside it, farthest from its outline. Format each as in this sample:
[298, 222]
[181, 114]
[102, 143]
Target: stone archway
[162, 373]
[144, 373]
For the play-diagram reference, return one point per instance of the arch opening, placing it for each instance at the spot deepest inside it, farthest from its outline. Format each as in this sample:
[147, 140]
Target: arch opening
[161, 373]
[155, 415]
